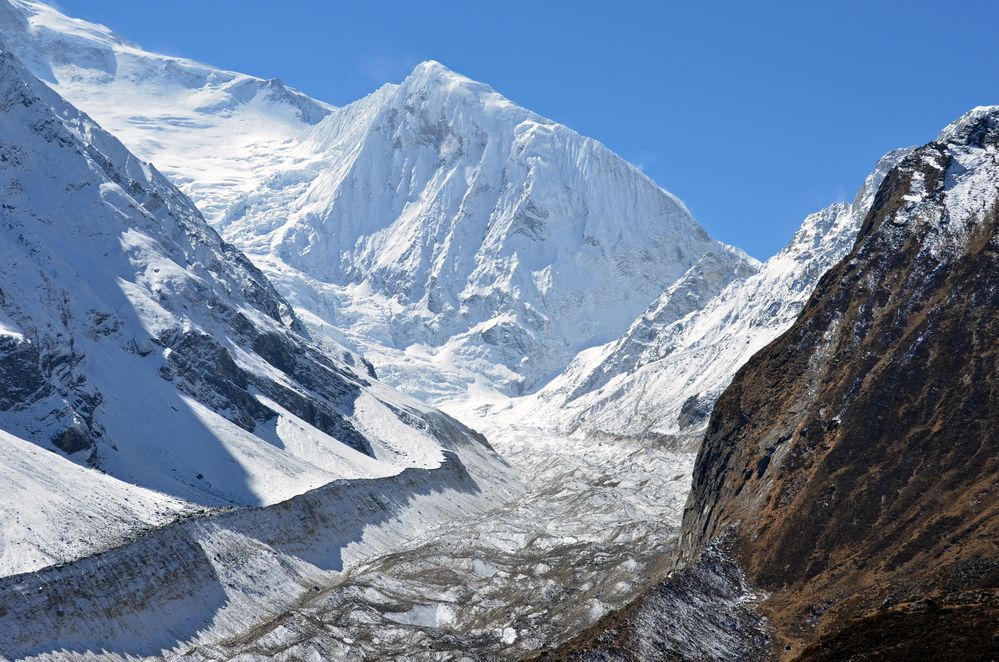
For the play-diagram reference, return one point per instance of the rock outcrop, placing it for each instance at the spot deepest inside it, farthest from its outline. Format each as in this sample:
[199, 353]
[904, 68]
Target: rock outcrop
[850, 468]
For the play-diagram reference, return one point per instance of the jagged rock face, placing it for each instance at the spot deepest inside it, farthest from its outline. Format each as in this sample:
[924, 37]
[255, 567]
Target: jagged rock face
[135, 340]
[854, 460]
[663, 376]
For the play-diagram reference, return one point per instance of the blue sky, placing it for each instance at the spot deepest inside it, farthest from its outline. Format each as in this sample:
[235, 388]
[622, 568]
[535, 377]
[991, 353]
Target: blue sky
[754, 113]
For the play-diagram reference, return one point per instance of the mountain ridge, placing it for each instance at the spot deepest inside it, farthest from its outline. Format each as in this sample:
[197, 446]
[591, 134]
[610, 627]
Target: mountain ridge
[418, 257]
[461, 241]
[136, 341]
[873, 412]
[662, 377]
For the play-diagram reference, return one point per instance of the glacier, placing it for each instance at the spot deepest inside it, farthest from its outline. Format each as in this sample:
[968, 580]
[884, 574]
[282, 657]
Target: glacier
[220, 337]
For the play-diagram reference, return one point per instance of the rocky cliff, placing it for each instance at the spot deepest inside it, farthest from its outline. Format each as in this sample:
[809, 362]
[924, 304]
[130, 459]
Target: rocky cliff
[849, 471]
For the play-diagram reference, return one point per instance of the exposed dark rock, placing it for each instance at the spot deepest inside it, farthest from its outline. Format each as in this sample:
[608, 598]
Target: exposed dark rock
[318, 413]
[852, 463]
[693, 412]
[275, 349]
[22, 380]
[205, 370]
[72, 440]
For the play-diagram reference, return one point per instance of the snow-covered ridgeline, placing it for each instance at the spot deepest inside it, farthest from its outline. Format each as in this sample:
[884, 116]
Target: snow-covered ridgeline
[664, 375]
[451, 235]
[139, 343]
[217, 134]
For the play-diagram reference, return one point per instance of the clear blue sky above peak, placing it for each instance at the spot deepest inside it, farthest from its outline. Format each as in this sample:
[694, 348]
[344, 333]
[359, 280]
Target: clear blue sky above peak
[754, 113]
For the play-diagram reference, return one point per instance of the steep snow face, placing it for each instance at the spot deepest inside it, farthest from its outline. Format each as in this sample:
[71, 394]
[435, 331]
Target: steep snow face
[451, 235]
[446, 221]
[138, 342]
[215, 133]
[664, 375]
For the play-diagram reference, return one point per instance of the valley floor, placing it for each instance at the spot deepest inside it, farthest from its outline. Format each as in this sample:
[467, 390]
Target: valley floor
[586, 536]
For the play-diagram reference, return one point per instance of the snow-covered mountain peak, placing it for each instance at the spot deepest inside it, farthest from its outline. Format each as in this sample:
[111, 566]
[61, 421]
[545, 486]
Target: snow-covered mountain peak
[214, 132]
[430, 95]
[89, 61]
[966, 121]
[77, 55]
[434, 84]
[440, 222]
[135, 340]
[432, 74]
[86, 45]
[433, 69]
[456, 237]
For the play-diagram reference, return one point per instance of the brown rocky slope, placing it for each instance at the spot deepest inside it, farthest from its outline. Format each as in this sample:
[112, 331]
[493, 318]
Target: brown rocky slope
[851, 470]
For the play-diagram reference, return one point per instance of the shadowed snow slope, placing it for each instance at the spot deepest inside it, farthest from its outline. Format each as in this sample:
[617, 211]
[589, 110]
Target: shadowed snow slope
[664, 375]
[135, 341]
[455, 237]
